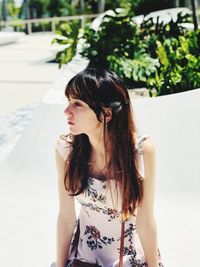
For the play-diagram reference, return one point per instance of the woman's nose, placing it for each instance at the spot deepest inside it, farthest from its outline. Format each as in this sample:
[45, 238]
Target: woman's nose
[67, 110]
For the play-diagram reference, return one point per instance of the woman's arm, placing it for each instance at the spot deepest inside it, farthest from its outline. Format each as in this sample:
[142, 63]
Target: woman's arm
[145, 220]
[67, 217]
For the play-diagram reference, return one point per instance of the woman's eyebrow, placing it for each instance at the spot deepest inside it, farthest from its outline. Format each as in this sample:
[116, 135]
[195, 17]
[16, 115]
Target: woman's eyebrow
[70, 98]
[77, 99]
[73, 97]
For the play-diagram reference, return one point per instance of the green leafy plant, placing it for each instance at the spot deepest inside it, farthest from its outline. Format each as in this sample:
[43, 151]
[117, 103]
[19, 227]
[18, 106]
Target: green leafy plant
[162, 57]
[134, 71]
[68, 36]
[179, 65]
[104, 42]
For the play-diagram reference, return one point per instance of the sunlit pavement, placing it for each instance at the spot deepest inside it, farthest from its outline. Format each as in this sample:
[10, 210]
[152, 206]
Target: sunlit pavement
[25, 72]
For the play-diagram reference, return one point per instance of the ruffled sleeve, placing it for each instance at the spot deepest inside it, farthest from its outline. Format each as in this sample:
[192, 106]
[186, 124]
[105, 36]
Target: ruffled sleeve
[139, 146]
[63, 146]
[139, 142]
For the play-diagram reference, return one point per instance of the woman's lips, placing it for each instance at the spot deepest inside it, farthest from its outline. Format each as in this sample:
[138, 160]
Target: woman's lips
[70, 123]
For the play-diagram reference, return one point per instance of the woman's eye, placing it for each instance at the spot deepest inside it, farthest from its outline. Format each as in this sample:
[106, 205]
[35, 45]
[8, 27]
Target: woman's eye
[77, 104]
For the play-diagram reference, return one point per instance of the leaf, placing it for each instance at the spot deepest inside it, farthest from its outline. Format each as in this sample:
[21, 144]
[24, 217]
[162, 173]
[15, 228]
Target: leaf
[184, 44]
[68, 35]
[161, 52]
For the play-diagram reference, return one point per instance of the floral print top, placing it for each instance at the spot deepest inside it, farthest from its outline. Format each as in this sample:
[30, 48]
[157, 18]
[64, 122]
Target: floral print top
[97, 234]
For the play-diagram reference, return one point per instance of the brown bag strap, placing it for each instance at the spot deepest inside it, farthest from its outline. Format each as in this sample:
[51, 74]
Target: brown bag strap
[121, 245]
[77, 239]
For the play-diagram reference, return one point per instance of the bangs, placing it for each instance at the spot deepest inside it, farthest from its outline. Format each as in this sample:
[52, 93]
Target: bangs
[73, 90]
[79, 88]
[99, 89]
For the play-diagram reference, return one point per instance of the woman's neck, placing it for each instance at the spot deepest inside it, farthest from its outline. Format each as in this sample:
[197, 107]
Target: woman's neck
[98, 157]
[96, 140]
[98, 148]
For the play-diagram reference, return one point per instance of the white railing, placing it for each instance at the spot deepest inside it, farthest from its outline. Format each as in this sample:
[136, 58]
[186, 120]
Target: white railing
[53, 21]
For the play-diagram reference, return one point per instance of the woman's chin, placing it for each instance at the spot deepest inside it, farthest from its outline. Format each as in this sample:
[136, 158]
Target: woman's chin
[73, 131]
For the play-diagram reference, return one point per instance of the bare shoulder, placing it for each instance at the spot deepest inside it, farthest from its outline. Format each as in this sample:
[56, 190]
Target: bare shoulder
[149, 148]
[149, 156]
[146, 207]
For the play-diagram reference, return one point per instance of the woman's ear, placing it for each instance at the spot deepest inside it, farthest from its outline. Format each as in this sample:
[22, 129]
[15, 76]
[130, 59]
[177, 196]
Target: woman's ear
[108, 114]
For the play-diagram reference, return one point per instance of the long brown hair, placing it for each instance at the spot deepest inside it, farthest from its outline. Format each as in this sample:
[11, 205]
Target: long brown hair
[100, 89]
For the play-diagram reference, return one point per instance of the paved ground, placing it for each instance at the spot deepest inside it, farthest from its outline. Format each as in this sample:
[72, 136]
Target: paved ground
[25, 74]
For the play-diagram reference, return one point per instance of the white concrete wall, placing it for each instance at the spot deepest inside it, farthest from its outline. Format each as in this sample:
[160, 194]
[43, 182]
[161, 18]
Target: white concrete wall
[173, 122]
[28, 182]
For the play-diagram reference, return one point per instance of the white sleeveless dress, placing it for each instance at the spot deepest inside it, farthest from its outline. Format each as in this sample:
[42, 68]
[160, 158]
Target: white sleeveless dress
[100, 223]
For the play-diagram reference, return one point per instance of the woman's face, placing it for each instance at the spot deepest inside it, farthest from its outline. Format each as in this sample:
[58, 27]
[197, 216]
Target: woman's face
[81, 118]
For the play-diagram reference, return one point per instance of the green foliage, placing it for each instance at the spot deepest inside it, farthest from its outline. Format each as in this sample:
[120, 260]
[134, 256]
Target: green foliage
[151, 32]
[147, 6]
[162, 30]
[128, 5]
[68, 36]
[179, 64]
[12, 9]
[133, 70]
[162, 57]
[104, 42]
[61, 8]
[38, 8]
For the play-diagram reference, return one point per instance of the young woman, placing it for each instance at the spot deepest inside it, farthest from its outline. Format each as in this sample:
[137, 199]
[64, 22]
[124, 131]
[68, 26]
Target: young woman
[110, 169]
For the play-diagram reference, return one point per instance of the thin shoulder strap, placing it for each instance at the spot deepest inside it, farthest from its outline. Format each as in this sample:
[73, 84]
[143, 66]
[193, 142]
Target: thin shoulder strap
[121, 253]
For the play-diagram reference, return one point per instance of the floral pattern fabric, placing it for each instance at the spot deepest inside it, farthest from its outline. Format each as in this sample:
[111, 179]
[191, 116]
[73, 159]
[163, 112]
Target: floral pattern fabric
[99, 225]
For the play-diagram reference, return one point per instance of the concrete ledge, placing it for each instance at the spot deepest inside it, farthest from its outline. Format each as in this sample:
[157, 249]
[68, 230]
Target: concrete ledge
[10, 37]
